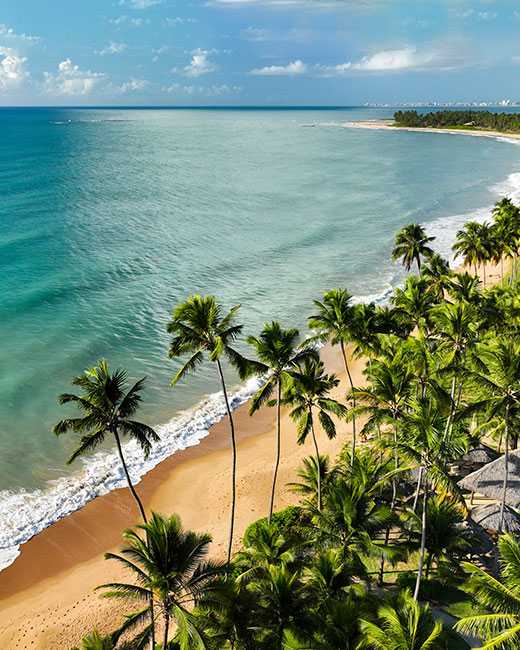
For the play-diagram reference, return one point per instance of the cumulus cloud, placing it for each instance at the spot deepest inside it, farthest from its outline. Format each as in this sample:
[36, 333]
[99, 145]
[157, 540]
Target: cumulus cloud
[112, 48]
[70, 80]
[12, 69]
[200, 64]
[291, 69]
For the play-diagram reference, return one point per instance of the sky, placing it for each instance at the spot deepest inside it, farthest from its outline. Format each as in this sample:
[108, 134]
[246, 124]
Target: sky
[257, 52]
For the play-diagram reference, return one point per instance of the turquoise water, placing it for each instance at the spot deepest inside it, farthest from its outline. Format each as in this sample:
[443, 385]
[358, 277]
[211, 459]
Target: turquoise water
[109, 217]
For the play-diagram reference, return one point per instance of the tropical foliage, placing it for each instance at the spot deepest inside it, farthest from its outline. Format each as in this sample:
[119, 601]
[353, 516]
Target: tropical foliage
[374, 532]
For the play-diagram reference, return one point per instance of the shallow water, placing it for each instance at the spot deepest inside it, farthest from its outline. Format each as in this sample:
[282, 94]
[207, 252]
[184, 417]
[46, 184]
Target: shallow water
[109, 217]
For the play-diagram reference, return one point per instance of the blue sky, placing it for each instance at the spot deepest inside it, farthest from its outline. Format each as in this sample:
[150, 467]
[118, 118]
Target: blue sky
[76, 52]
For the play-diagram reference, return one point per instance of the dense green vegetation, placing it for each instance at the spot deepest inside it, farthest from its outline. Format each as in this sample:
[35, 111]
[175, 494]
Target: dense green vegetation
[378, 542]
[506, 122]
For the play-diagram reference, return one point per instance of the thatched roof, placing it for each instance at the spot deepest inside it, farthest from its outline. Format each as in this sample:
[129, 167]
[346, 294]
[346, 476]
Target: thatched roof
[480, 455]
[489, 518]
[489, 480]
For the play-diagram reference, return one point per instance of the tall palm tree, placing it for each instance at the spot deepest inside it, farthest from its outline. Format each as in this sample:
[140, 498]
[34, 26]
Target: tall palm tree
[402, 625]
[499, 597]
[200, 329]
[108, 407]
[437, 274]
[470, 245]
[487, 247]
[498, 377]
[422, 441]
[277, 353]
[411, 243]
[334, 321]
[170, 569]
[507, 230]
[308, 394]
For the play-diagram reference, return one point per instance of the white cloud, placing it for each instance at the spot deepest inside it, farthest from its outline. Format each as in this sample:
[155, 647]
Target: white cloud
[12, 69]
[172, 22]
[126, 20]
[407, 58]
[70, 80]
[256, 34]
[206, 91]
[112, 48]
[479, 15]
[132, 86]
[199, 64]
[8, 32]
[291, 69]
[140, 4]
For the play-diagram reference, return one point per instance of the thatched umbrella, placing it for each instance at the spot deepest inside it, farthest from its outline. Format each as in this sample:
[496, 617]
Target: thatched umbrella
[489, 480]
[478, 456]
[489, 518]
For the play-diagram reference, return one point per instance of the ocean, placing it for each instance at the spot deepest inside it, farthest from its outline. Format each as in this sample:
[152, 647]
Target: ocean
[109, 217]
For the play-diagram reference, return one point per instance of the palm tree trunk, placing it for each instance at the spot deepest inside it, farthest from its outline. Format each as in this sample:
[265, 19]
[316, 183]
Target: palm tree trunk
[418, 490]
[484, 273]
[318, 465]
[166, 627]
[143, 515]
[128, 479]
[506, 470]
[233, 464]
[347, 370]
[392, 505]
[502, 267]
[423, 545]
[278, 441]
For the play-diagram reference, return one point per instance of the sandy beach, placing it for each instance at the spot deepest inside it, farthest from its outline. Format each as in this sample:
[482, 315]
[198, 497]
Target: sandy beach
[46, 596]
[390, 125]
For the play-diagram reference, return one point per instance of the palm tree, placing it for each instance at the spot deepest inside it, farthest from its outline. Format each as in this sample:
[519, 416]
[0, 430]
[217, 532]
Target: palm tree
[464, 287]
[470, 245]
[277, 353]
[95, 641]
[498, 597]
[422, 441]
[487, 246]
[310, 476]
[108, 408]
[498, 376]
[414, 303]
[507, 230]
[309, 393]
[170, 569]
[411, 243]
[335, 322]
[402, 625]
[437, 274]
[200, 329]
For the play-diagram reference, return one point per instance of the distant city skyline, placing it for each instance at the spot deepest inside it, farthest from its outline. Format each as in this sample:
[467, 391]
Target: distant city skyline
[265, 52]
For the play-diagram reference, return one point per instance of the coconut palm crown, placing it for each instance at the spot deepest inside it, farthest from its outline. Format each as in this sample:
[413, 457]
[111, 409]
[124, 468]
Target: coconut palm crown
[411, 244]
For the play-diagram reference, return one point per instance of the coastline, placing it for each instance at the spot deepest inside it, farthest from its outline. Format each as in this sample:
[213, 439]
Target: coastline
[46, 595]
[390, 126]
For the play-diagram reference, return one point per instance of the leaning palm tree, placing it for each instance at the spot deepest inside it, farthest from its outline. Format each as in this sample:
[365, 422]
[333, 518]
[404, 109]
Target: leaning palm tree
[437, 274]
[308, 394]
[277, 353]
[402, 624]
[411, 243]
[108, 408]
[334, 321]
[499, 597]
[199, 328]
[170, 570]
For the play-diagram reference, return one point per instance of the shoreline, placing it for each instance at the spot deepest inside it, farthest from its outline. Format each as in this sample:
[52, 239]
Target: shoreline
[53, 578]
[389, 125]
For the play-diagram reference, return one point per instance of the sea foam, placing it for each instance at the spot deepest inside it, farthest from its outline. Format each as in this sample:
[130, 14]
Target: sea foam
[25, 513]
